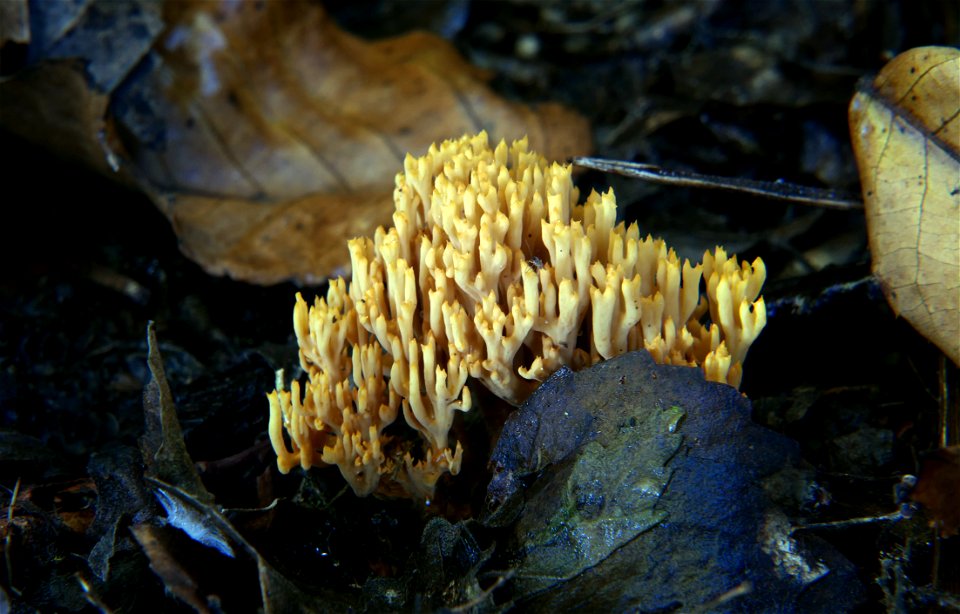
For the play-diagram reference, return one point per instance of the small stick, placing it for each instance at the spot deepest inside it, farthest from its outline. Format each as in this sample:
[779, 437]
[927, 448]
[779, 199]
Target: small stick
[777, 190]
[8, 542]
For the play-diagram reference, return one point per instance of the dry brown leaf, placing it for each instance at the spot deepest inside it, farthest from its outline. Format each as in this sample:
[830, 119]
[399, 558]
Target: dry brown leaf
[266, 134]
[76, 53]
[906, 136]
[937, 489]
[54, 106]
[177, 579]
[269, 136]
[302, 238]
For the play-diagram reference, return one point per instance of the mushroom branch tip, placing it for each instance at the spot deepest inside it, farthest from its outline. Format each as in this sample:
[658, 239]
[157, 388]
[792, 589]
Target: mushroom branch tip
[493, 272]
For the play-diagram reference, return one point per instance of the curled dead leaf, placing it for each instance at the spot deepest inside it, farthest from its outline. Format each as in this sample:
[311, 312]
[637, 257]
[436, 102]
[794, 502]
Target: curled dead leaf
[905, 128]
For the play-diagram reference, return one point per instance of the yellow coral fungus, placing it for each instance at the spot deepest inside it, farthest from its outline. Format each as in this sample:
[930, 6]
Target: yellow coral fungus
[491, 270]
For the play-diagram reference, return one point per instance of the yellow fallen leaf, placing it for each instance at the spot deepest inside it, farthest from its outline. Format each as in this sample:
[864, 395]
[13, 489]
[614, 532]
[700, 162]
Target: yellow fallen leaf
[905, 128]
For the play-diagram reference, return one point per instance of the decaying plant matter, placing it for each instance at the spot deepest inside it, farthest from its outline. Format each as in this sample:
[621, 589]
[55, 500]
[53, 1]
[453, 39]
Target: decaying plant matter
[491, 271]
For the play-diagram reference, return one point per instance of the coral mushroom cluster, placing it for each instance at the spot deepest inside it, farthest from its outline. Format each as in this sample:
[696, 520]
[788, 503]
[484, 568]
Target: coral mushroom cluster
[491, 271]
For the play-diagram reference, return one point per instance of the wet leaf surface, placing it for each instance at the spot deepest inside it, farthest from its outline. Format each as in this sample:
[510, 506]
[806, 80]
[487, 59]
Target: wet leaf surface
[906, 133]
[679, 485]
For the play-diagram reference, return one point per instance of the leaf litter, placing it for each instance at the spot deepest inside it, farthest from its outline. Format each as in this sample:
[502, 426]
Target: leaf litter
[873, 391]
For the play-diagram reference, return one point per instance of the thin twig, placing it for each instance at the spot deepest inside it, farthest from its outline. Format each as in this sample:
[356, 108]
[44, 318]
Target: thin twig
[485, 593]
[777, 190]
[852, 522]
[8, 541]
